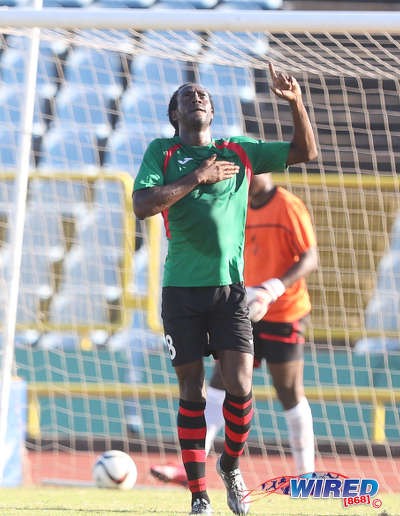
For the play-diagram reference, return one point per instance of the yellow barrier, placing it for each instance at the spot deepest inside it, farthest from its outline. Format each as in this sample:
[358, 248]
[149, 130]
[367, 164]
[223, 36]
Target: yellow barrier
[376, 397]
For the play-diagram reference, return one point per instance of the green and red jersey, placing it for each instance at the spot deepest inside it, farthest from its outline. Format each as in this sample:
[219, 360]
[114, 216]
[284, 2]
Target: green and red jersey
[206, 227]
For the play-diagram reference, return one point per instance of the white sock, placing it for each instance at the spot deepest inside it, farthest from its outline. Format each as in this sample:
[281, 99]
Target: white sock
[301, 436]
[213, 414]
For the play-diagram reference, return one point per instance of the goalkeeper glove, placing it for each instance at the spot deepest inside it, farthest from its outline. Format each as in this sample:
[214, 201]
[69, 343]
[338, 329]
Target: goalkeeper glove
[259, 298]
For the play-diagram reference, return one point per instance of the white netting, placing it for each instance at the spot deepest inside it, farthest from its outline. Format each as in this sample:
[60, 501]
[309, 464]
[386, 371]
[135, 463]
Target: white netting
[84, 337]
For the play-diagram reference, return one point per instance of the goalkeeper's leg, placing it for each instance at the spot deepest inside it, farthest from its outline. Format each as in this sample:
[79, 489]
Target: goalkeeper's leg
[288, 382]
[281, 344]
[214, 413]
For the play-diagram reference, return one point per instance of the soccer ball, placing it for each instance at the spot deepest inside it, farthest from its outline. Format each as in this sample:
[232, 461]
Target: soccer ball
[114, 469]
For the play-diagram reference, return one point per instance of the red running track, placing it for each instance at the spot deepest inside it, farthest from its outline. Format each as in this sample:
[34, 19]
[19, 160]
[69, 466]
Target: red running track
[256, 469]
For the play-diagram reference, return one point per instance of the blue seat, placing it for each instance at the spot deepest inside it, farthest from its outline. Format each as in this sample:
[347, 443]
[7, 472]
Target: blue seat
[63, 197]
[9, 140]
[225, 79]
[234, 44]
[94, 68]
[89, 284]
[125, 150]
[149, 73]
[228, 118]
[382, 312]
[87, 266]
[35, 282]
[108, 195]
[190, 4]
[67, 3]
[83, 106]
[253, 4]
[70, 150]
[7, 194]
[12, 67]
[15, 3]
[13, 62]
[389, 272]
[135, 4]
[11, 106]
[36, 272]
[73, 306]
[146, 112]
[101, 231]
[44, 231]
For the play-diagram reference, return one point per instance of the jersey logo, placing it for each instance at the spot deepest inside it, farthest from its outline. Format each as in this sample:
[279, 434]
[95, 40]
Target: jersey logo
[183, 161]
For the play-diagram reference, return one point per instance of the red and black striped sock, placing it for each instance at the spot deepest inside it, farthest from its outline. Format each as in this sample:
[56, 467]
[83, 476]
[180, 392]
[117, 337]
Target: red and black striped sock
[192, 434]
[238, 412]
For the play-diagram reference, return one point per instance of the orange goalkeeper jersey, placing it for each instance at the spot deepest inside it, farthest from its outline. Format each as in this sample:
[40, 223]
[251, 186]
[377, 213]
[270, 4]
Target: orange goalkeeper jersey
[276, 235]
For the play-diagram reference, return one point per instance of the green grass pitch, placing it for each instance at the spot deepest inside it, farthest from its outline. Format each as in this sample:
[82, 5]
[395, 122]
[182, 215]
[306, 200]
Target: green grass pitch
[61, 501]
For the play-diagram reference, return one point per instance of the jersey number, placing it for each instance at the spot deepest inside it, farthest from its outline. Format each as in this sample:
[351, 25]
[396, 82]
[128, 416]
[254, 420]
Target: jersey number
[171, 348]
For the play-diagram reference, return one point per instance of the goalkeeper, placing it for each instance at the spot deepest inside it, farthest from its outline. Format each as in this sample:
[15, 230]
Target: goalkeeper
[280, 252]
[200, 185]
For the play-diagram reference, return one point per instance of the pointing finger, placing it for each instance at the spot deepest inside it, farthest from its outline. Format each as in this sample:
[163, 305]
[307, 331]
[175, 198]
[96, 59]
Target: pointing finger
[272, 70]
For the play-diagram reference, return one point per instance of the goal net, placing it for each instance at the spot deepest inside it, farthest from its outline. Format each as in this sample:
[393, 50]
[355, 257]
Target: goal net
[88, 339]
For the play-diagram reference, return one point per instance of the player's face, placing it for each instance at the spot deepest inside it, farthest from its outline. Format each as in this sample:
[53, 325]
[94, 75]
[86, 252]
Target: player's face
[194, 106]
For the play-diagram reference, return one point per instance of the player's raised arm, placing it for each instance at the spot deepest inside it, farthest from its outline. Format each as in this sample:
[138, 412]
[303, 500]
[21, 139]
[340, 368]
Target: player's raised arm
[150, 201]
[303, 147]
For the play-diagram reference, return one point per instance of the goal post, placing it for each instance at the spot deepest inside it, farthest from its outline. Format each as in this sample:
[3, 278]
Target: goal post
[88, 338]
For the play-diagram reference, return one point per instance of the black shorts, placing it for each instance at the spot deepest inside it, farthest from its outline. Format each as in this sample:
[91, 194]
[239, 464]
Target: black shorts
[279, 342]
[200, 321]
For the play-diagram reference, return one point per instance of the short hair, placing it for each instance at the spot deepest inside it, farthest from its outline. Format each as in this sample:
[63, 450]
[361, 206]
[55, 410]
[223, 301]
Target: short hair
[173, 104]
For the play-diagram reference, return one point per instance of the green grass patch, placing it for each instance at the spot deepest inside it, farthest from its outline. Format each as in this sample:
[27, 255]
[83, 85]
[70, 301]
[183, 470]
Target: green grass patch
[61, 501]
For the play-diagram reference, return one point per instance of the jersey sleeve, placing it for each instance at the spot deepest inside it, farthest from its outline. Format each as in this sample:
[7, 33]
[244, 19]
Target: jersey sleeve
[267, 156]
[302, 228]
[151, 170]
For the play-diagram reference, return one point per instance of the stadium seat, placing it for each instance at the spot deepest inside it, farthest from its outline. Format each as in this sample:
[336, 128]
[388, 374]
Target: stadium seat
[94, 68]
[36, 272]
[135, 4]
[108, 195]
[125, 150]
[235, 44]
[190, 4]
[83, 267]
[64, 197]
[43, 231]
[72, 307]
[224, 79]
[35, 282]
[11, 106]
[15, 3]
[90, 289]
[83, 106]
[13, 67]
[228, 118]
[146, 112]
[59, 340]
[9, 139]
[67, 3]
[149, 73]
[7, 193]
[253, 4]
[13, 62]
[102, 230]
[70, 150]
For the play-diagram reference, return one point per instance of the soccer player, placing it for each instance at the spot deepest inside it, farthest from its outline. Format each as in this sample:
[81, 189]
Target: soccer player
[200, 185]
[280, 252]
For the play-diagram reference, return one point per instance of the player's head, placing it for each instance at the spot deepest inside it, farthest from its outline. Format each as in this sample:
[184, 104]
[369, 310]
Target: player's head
[191, 103]
[260, 183]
